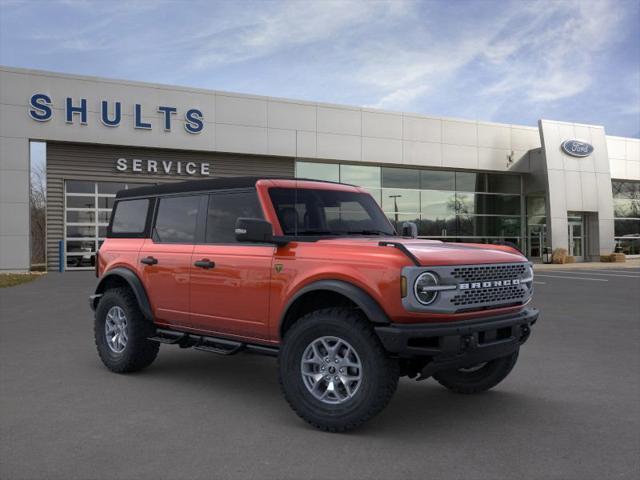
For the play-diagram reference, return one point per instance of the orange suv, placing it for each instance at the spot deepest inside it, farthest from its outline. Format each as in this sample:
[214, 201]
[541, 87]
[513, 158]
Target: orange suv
[314, 273]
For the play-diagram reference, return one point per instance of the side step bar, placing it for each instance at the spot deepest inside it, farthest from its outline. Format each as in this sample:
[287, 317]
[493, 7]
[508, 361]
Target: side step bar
[221, 346]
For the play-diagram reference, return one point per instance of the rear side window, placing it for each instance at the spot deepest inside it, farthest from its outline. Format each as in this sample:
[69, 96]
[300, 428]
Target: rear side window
[176, 219]
[130, 217]
[225, 209]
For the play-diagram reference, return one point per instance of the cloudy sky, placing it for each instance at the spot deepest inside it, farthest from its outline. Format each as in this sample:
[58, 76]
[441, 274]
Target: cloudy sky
[503, 61]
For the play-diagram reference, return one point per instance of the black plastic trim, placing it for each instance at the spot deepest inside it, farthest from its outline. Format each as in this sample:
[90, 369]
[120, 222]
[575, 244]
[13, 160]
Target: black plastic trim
[403, 249]
[362, 299]
[451, 340]
[207, 185]
[136, 286]
[208, 343]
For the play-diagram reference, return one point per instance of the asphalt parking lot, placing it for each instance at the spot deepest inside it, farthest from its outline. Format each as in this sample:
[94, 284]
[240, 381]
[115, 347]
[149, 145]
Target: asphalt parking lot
[569, 410]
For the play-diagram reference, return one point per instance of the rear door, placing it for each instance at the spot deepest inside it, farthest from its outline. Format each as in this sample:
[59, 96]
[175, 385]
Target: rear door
[165, 258]
[229, 280]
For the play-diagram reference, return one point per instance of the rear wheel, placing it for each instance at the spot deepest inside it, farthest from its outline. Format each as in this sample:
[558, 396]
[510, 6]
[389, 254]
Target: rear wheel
[477, 378]
[333, 371]
[121, 332]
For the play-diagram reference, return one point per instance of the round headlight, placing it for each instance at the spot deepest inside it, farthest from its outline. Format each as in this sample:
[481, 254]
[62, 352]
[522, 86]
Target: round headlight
[422, 288]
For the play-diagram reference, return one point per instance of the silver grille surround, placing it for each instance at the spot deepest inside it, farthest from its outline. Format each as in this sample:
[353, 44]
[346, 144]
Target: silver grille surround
[472, 287]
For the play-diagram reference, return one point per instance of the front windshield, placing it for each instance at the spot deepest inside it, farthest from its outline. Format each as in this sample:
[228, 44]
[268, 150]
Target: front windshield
[328, 212]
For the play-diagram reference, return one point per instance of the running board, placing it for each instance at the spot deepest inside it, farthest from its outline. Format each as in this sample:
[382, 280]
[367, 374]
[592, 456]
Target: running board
[221, 346]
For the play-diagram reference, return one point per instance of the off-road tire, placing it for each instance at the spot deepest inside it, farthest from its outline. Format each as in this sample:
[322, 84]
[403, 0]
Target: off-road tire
[138, 352]
[480, 380]
[379, 372]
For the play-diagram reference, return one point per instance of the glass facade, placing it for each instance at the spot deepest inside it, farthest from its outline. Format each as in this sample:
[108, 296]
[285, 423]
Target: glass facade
[626, 212]
[87, 212]
[446, 205]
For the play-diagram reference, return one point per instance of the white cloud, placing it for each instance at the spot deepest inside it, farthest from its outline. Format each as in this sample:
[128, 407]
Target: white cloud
[538, 51]
[550, 59]
[256, 34]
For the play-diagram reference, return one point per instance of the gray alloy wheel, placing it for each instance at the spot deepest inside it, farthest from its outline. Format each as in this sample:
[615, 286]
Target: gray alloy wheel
[115, 329]
[331, 370]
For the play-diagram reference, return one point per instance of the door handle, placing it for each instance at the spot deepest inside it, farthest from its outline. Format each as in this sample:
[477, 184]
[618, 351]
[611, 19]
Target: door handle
[149, 260]
[204, 263]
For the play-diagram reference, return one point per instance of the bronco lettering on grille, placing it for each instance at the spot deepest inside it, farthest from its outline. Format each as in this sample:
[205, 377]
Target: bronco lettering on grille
[493, 283]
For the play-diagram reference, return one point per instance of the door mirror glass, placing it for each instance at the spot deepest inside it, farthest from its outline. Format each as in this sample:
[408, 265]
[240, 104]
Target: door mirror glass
[254, 230]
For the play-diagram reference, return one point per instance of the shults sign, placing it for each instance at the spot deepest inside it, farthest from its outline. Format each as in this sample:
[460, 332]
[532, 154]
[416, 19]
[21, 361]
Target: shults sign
[110, 113]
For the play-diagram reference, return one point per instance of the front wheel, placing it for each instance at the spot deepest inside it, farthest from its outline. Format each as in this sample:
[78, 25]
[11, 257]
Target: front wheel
[477, 378]
[333, 370]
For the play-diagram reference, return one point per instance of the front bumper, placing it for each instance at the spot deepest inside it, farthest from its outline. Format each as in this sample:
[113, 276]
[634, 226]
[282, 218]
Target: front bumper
[459, 344]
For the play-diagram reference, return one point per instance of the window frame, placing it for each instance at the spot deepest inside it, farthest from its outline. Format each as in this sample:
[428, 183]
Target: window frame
[145, 233]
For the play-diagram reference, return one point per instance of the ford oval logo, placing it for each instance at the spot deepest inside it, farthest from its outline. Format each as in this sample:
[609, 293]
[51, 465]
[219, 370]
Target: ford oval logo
[577, 148]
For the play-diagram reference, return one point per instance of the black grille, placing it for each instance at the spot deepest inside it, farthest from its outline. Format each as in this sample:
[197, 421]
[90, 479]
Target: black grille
[479, 273]
[490, 295]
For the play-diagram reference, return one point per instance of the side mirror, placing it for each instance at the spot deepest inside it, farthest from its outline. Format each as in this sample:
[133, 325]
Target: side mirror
[409, 229]
[253, 230]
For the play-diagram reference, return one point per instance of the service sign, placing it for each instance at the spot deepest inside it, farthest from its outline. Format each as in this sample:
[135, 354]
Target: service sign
[577, 148]
[162, 167]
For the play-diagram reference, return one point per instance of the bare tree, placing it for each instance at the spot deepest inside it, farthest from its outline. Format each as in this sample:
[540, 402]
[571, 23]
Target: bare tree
[37, 213]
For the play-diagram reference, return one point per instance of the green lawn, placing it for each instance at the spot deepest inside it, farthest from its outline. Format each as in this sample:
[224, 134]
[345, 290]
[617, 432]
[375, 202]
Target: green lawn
[13, 279]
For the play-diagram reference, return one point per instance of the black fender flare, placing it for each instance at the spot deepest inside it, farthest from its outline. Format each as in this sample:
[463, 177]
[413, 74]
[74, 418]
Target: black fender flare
[134, 283]
[362, 299]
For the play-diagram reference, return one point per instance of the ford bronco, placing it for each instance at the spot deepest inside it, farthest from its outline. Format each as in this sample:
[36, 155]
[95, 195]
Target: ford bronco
[314, 273]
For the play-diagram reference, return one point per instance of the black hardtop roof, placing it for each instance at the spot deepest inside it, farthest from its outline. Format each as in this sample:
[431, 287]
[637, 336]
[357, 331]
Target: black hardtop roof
[224, 183]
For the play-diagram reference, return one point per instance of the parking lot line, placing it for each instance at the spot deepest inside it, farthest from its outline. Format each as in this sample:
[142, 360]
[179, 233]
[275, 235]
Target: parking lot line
[573, 278]
[597, 273]
[540, 283]
[626, 270]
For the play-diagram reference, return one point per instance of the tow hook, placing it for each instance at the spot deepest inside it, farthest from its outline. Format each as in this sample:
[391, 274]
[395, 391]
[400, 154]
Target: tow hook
[469, 342]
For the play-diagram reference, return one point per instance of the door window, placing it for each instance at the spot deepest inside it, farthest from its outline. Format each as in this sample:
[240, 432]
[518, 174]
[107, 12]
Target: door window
[225, 209]
[176, 219]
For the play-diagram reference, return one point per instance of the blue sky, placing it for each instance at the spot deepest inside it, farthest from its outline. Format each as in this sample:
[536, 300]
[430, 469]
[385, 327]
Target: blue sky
[503, 61]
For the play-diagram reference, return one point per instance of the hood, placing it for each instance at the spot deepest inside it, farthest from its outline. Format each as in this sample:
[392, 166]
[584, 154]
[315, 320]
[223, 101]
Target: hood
[443, 253]
[435, 252]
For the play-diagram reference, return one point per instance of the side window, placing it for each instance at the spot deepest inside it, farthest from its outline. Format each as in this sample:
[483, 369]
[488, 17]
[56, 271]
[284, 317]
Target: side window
[224, 210]
[176, 219]
[130, 216]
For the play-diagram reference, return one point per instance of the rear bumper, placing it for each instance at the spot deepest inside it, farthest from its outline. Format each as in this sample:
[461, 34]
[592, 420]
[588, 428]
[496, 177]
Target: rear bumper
[459, 344]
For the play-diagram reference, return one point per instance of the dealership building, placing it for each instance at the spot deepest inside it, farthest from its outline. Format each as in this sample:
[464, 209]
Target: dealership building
[68, 143]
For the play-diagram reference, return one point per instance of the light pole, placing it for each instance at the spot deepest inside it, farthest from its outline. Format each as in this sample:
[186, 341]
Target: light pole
[395, 205]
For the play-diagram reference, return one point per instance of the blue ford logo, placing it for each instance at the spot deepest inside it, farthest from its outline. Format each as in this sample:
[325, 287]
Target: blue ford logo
[576, 148]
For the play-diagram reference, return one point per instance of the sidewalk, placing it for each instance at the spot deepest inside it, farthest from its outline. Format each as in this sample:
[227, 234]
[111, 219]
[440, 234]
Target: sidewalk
[630, 263]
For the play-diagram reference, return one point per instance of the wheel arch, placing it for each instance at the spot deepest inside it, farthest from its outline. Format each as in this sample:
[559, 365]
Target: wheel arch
[330, 293]
[121, 276]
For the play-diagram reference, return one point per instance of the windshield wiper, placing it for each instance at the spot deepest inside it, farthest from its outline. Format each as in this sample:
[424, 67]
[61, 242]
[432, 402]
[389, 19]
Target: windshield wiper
[368, 232]
[344, 232]
[319, 232]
